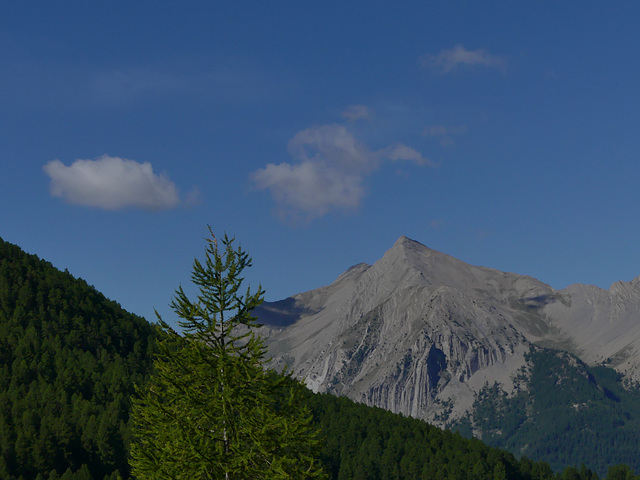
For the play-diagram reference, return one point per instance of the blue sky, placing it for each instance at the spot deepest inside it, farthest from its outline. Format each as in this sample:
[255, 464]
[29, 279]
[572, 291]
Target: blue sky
[505, 134]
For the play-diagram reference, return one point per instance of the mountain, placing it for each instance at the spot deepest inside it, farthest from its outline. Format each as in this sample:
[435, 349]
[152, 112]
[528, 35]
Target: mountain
[414, 329]
[426, 335]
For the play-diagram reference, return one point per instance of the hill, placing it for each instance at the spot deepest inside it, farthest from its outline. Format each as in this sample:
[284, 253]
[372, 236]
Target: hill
[69, 360]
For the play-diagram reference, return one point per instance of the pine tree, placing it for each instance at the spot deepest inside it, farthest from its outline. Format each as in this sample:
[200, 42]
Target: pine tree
[211, 410]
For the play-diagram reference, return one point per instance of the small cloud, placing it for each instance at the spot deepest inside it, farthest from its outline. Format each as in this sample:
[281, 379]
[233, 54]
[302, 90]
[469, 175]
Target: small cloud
[402, 152]
[448, 60]
[357, 112]
[328, 173]
[333, 145]
[112, 183]
[309, 189]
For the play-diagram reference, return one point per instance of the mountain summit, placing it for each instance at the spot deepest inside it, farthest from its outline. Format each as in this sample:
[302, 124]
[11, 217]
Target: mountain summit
[420, 332]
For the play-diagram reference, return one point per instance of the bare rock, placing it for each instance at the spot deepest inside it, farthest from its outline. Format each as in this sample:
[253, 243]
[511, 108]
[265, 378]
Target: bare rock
[419, 332]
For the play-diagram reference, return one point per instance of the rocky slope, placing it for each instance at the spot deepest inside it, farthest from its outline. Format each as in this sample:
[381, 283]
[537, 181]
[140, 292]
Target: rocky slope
[603, 325]
[420, 332]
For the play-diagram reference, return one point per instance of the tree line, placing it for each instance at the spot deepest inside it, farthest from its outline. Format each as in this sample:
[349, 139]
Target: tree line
[561, 411]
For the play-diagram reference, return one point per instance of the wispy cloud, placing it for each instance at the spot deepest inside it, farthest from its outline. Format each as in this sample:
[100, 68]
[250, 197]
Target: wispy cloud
[445, 134]
[44, 83]
[357, 112]
[113, 183]
[448, 60]
[328, 173]
[402, 152]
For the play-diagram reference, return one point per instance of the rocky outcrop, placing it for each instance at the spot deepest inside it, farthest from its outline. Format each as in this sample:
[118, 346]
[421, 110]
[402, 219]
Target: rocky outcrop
[419, 332]
[604, 325]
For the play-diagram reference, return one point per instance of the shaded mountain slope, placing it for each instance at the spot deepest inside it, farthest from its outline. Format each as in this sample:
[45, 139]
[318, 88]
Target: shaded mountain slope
[69, 359]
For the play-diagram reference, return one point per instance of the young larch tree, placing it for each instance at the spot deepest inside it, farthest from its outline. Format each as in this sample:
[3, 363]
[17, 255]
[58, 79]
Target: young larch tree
[211, 410]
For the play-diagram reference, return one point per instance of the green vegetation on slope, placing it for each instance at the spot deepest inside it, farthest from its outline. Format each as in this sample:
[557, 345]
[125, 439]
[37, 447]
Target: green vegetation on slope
[563, 412]
[365, 443]
[69, 359]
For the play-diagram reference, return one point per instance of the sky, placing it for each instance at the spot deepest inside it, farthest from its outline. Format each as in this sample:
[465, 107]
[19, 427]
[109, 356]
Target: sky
[505, 134]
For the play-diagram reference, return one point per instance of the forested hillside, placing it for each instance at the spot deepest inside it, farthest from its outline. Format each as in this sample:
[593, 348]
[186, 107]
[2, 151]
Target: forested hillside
[563, 412]
[69, 360]
[368, 443]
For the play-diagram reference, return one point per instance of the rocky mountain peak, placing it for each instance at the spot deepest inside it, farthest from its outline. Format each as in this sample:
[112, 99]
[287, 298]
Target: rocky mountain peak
[405, 242]
[437, 268]
[404, 246]
[420, 330]
[410, 255]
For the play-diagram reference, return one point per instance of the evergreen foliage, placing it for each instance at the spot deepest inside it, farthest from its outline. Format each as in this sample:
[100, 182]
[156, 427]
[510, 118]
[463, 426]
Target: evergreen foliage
[69, 359]
[211, 410]
[366, 443]
[562, 412]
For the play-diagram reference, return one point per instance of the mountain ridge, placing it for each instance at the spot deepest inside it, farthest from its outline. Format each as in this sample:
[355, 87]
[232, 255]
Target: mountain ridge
[419, 330]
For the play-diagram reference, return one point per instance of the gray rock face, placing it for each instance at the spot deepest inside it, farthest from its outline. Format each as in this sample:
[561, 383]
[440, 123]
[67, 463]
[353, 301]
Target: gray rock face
[419, 331]
[603, 325]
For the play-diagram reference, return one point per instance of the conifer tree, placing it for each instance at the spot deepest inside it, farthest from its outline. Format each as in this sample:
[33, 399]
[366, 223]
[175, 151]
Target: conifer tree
[211, 410]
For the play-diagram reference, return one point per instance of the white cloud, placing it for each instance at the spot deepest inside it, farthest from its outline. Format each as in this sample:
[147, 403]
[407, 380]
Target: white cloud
[333, 145]
[112, 183]
[448, 60]
[309, 189]
[357, 112]
[328, 174]
[402, 152]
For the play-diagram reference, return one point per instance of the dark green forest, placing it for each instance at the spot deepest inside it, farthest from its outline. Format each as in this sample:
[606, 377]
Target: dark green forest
[564, 412]
[70, 359]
